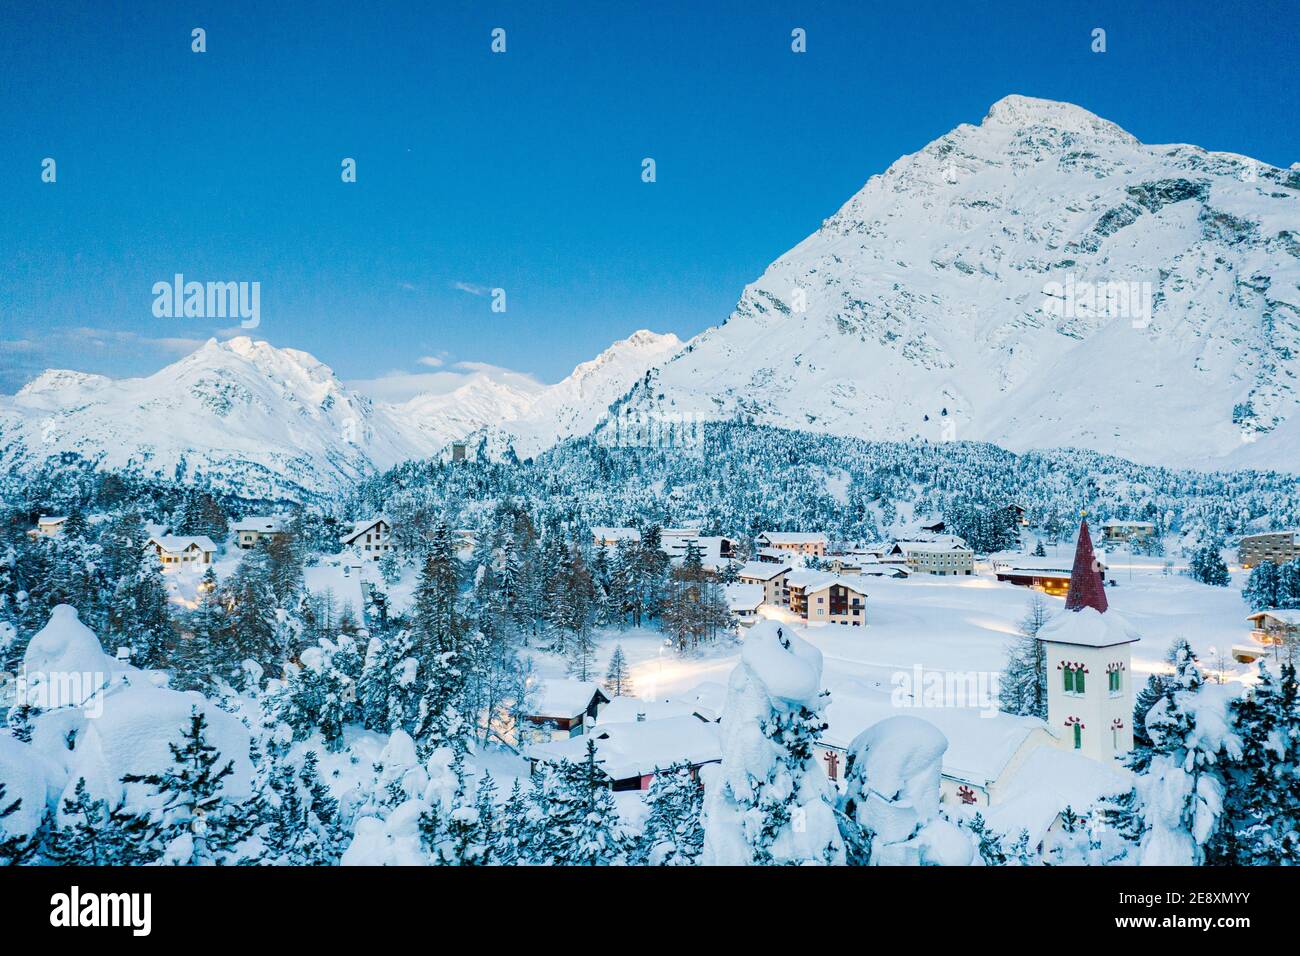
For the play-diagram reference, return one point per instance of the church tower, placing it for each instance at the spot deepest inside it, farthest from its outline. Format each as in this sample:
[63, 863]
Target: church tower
[1089, 674]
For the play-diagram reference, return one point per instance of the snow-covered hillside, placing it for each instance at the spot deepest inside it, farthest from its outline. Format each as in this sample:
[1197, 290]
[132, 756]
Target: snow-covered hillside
[241, 412]
[1040, 280]
[272, 422]
[577, 404]
[948, 299]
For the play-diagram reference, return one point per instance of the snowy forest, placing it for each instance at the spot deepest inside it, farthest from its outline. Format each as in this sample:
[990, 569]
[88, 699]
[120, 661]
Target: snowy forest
[289, 728]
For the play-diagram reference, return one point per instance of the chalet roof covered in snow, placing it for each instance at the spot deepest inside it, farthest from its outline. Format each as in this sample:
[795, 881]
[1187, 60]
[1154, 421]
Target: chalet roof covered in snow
[637, 748]
[1118, 523]
[1290, 617]
[262, 525]
[1048, 780]
[811, 581]
[564, 698]
[705, 699]
[1027, 562]
[361, 527]
[624, 710]
[793, 537]
[808, 579]
[935, 546]
[875, 569]
[340, 580]
[744, 597]
[761, 570]
[176, 543]
[616, 534]
[709, 546]
[980, 743]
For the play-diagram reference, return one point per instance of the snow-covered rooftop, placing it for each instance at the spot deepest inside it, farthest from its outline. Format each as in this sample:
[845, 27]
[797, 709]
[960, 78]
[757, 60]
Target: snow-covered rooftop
[980, 743]
[637, 748]
[938, 545]
[811, 581]
[623, 710]
[744, 597]
[1287, 616]
[342, 581]
[560, 697]
[176, 543]
[761, 570]
[705, 699]
[1048, 780]
[794, 537]
[364, 525]
[1088, 627]
[260, 524]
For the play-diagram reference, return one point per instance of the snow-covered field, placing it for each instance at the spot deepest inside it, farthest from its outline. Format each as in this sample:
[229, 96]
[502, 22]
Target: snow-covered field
[952, 624]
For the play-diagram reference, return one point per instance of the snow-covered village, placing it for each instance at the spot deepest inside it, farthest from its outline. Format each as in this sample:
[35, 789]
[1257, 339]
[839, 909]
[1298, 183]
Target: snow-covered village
[972, 682]
[456, 443]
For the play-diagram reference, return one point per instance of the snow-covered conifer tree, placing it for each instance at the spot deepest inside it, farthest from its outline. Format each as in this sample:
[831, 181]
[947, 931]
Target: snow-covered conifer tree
[770, 802]
[891, 797]
[1263, 795]
[1181, 792]
[1023, 687]
[194, 824]
[1207, 566]
[673, 834]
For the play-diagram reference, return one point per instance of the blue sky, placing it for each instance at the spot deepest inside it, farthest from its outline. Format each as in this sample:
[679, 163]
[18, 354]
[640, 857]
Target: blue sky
[522, 170]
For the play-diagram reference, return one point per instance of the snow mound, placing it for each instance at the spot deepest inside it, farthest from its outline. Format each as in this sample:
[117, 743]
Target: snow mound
[65, 645]
[29, 778]
[902, 758]
[789, 668]
[133, 736]
[65, 664]
[892, 791]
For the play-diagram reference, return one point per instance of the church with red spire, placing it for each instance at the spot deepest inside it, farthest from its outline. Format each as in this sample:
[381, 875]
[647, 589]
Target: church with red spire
[1087, 579]
[1089, 664]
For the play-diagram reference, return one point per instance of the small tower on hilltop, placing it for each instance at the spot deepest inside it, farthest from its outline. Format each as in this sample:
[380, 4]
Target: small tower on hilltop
[1089, 678]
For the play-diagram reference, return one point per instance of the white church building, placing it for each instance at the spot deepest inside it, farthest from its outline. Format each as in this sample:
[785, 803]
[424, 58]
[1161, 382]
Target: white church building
[1089, 668]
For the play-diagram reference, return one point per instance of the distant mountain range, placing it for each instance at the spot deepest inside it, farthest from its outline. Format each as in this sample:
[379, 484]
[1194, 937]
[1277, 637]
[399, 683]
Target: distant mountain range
[1040, 280]
[272, 421]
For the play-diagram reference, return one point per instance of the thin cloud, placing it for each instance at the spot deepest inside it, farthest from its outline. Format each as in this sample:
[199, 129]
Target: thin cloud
[399, 385]
[83, 348]
[471, 288]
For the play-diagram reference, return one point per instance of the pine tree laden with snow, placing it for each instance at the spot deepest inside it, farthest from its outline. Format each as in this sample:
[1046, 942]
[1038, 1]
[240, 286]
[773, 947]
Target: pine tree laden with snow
[673, 834]
[769, 802]
[1181, 793]
[1022, 689]
[194, 823]
[891, 797]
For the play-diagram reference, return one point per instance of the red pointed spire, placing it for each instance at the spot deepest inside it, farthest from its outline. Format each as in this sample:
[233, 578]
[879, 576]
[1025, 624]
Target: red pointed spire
[1087, 586]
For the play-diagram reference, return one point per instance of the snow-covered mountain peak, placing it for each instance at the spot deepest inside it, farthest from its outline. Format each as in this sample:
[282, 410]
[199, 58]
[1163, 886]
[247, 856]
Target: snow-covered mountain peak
[642, 348]
[1041, 279]
[276, 421]
[61, 381]
[1026, 113]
